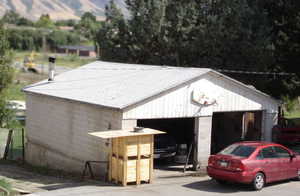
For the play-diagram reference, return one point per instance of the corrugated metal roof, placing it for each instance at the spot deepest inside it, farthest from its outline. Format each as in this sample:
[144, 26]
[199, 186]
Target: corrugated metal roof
[115, 85]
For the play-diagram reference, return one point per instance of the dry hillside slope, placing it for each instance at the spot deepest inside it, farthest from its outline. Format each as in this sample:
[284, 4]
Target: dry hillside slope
[57, 9]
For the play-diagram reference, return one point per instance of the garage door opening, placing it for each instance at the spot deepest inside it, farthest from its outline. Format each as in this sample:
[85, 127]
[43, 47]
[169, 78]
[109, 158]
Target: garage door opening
[171, 149]
[231, 127]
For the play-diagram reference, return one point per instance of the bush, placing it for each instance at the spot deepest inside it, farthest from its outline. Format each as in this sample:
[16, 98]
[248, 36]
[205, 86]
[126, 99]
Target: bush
[5, 187]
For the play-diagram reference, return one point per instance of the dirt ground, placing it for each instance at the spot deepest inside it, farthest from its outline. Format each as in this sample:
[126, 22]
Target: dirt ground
[24, 180]
[27, 180]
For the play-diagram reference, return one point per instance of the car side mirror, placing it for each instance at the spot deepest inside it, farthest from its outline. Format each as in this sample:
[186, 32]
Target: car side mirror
[293, 156]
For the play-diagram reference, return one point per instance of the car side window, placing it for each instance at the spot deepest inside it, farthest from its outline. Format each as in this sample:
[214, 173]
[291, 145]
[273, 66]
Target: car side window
[281, 152]
[260, 156]
[269, 153]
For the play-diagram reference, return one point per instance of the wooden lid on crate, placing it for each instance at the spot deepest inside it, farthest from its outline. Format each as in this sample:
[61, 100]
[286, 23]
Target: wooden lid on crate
[125, 133]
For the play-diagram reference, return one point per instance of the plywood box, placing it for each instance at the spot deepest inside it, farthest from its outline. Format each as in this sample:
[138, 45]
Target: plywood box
[131, 157]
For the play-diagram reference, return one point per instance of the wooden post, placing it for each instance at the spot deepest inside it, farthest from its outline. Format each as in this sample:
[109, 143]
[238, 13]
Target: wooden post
[23, 146]
[151, 159]
[8, 142]
[117, 160]
[11, 148]
[125, 161]
[110, 158]
[138, 161]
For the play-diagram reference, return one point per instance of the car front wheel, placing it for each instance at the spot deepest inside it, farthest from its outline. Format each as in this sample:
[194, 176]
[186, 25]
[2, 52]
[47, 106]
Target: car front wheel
[259, 181]
[298, 178]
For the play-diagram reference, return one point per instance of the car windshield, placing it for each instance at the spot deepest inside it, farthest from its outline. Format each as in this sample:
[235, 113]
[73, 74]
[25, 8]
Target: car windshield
[238, 150]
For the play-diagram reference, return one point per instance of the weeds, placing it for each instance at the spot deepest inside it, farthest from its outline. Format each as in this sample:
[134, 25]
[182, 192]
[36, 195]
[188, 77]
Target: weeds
[5, 188]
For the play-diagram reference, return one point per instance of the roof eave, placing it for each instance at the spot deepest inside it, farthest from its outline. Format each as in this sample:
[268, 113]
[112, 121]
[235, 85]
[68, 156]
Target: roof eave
[74, 100]
[279, 102]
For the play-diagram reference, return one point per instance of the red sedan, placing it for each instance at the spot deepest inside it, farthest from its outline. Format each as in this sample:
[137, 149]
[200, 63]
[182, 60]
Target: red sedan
[255, 163]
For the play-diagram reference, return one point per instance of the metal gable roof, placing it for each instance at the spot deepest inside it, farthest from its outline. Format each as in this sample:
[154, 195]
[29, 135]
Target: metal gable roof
[115, 85]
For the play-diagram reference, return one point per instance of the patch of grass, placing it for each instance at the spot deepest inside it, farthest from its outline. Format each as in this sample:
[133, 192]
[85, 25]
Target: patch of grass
[292, 107]
[61, 60]
[14, 92]
[72, 61]
[5, 187]
[293, 114]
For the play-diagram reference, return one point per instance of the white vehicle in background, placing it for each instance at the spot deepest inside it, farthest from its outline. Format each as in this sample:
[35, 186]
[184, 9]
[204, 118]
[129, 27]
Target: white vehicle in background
[19, 107]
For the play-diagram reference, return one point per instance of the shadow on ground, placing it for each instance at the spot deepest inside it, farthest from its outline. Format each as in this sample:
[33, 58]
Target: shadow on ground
[213, 186]
[24, 179]
[164, 169]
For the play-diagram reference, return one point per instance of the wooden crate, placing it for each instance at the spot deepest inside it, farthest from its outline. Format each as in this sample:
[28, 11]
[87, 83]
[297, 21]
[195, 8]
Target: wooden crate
[131, 154]
[132, 159]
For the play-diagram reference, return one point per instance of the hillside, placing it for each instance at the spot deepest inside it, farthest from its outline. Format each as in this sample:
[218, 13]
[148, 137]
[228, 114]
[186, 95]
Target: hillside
[57, 9]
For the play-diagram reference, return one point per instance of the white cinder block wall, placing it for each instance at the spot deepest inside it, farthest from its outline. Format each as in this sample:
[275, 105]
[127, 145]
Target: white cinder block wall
[57, 132]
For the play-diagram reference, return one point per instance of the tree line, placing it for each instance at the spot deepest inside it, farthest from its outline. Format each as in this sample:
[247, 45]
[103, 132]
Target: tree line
[36, 39]
[244, 35]
[24, 34]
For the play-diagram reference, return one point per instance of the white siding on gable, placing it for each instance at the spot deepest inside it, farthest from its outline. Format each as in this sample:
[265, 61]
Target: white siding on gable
[230, 96]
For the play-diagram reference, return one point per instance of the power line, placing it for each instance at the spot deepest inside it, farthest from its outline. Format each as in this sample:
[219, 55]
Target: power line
[256, 73]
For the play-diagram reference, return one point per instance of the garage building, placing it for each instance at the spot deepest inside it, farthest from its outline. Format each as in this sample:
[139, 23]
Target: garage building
[195, 105]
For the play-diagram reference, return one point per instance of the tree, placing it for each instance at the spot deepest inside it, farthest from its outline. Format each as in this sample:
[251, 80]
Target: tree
[6, 77]
[88, 25]
[24, 22]
[45, 22]
[69, 22]
[285, 17]
[238, 35]
[112, 36]
[245, 35]
[10, 17]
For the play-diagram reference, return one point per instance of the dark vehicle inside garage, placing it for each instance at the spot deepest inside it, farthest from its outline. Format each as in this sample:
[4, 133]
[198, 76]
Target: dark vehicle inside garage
[172, 146]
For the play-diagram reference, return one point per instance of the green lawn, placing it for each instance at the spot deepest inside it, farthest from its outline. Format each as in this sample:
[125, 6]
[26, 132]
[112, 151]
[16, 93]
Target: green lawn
[15, 92]
[61, 60]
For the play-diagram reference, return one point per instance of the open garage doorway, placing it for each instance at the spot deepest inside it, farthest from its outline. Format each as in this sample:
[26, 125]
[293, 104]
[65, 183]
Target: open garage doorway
[231, 127]
[171, 149]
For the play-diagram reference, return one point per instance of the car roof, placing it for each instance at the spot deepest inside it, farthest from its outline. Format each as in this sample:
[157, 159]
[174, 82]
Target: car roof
[255, 143]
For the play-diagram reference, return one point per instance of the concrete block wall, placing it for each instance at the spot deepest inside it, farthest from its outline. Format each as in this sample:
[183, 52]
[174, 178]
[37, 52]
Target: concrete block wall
[57, 132]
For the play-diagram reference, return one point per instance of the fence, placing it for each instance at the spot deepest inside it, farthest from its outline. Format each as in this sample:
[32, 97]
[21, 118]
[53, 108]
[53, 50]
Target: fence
[15, 148]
